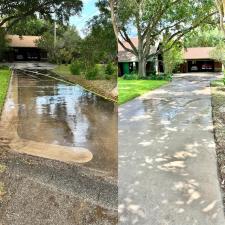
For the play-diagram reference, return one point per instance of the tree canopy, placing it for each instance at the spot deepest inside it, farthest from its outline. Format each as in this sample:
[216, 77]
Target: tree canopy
[13, 11]
[100, 45]
[207, 37]
[67, 46]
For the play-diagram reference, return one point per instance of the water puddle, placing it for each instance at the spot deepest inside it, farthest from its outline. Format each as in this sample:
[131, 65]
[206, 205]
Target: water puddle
[55, 119]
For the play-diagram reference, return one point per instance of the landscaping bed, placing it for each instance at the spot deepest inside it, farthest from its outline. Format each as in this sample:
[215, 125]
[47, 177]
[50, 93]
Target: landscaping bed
[218, 112]
[4, 83]
[129, 89]
[100, 87]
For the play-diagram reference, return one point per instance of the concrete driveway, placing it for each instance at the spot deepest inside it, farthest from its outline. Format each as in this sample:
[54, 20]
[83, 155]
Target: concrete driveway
[33, 65]
[167, 159]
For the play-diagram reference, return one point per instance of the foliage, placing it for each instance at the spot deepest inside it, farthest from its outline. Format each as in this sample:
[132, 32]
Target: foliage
[172, 58]
[220, 4]
[219, 53]
[131, 76]
[66, 47]
[110, 69]
[99, 45]
[30, 26]
[92, 73]
[76, 67]
[161, 76]
[203, 37]
[13, 11]
[3, 44]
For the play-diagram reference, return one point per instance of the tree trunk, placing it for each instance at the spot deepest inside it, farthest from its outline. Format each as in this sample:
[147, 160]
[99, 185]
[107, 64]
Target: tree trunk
[141, 57]
[113, 17]
[142, 67]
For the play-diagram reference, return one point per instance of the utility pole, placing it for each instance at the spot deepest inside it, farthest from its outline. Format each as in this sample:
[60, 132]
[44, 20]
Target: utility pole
[55, 27]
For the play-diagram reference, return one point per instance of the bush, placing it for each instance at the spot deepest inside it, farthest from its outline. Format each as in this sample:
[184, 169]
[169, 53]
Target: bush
[76, 67]
[101, 71]
[161, 76]
[92, 73]
[110, 69]
[131, 76]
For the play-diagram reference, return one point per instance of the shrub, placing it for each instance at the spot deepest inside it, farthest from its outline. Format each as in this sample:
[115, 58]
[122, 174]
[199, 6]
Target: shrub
[101, 71]
[161, 76]
[110, 69]
[92, 73]
[76, 67]
[131, 76]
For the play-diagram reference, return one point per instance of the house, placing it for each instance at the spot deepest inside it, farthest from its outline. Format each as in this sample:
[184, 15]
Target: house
[199, 60]
[128, 62]
[196, 60]
[24, 48]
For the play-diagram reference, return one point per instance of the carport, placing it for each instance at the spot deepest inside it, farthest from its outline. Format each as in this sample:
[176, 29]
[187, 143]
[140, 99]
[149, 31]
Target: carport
[199, 60]
[24, 48]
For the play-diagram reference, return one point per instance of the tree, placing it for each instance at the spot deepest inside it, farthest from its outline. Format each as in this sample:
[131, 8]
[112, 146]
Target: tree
[66, 47]
[172, 58]
[153, 20]
[3, 43]
[13, 11]
[208, 36]
[218, 53]
[100, 46]
[30, 26]
[220, 4]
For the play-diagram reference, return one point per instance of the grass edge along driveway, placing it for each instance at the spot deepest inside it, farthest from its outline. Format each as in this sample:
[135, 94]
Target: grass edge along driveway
[130, 89]
[4, 84]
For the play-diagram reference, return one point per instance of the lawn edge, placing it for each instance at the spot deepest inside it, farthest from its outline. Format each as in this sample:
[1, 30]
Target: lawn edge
[7, 92]
[138, 96]
[217, 102]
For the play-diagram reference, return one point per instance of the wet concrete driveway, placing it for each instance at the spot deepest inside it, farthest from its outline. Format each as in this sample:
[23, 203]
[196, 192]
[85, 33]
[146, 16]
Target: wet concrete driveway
[58, 114]
[167, 159]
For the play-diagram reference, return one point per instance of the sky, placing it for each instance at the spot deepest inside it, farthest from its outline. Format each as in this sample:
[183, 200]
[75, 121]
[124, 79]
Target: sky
[89, 10]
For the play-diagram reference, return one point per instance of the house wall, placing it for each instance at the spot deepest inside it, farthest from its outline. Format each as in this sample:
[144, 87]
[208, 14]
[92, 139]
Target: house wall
[129, 67]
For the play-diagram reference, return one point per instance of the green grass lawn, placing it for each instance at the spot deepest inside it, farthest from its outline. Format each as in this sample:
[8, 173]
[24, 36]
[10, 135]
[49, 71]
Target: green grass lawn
[129, 89]
[4, 83]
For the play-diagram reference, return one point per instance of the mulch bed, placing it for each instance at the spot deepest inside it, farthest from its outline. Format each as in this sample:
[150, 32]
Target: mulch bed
[218, 113]
[103, 88]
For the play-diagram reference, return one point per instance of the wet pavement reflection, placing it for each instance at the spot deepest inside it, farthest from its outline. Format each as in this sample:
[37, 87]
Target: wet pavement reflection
[54, 112]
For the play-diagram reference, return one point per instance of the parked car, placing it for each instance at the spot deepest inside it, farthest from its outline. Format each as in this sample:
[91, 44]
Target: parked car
[194, 68]
[207, 67]
[19, 57]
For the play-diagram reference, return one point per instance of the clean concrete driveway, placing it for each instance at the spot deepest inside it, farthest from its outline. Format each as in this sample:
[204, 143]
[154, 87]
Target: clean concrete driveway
[167, 159]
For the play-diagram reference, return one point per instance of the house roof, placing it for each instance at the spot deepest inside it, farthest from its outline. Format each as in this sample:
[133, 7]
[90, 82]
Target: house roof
[197, 53]
[189, 53]
[125, 56]
[22, 41]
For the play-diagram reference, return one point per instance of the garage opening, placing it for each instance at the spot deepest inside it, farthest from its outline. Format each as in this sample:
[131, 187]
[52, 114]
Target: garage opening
[201, 66]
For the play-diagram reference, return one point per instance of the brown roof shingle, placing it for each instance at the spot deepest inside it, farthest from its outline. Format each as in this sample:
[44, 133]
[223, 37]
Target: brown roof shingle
[22, 41]
[198, 53]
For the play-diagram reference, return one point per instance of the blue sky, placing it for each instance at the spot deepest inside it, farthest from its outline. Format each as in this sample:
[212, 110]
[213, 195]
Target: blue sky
[89, 10]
